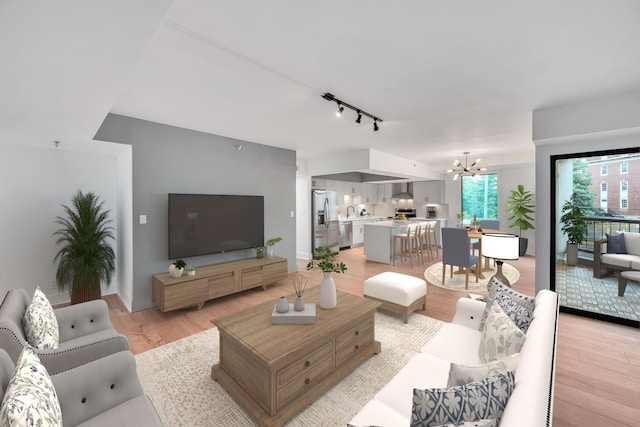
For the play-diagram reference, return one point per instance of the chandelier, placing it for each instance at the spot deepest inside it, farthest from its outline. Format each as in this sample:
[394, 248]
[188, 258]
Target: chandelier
[468, 169]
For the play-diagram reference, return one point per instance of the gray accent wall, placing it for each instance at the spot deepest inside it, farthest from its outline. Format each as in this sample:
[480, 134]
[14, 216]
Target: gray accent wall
[168, 159]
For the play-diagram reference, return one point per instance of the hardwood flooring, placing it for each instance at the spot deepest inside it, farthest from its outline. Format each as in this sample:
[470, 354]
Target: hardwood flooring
[597, 363]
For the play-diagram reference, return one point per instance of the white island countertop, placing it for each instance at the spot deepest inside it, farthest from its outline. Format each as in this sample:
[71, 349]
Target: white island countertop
[378, 239]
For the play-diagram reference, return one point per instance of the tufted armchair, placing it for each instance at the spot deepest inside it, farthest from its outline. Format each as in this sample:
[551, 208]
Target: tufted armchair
[86, 332]
[104, 392]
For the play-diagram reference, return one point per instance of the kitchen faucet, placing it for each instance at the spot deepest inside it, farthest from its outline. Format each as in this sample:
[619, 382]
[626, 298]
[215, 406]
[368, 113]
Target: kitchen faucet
[351, 207]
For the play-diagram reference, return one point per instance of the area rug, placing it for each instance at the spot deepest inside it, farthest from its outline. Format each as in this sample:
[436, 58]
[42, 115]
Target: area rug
[433, 275]
[177, 378]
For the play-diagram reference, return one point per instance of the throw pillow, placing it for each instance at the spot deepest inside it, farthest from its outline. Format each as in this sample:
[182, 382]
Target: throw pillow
[463, 374]
[30, 398]
[615, 244]
[481, 423]
[501, 337]
[481, 400]
[40, 323]
[519, 307]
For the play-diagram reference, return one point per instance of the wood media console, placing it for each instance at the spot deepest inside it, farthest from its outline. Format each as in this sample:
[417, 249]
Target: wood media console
[215, 281]
[275, 371]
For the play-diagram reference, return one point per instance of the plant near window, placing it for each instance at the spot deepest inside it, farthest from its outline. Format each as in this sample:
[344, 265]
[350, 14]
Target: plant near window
[574, 226]
[85, 259]
[521, 208]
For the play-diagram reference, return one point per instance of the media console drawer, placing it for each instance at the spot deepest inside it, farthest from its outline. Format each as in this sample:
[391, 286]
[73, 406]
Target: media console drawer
[215, 281]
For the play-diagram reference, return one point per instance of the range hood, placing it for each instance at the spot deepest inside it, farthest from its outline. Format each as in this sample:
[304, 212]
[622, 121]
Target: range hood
[402, 190]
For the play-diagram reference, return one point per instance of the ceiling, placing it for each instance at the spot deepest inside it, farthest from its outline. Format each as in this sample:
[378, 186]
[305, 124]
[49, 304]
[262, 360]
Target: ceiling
[445, 77]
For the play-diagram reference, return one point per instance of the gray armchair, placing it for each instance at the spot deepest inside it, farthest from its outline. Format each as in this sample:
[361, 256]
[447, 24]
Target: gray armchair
[86, 332]
[105, 392]
[456, 252]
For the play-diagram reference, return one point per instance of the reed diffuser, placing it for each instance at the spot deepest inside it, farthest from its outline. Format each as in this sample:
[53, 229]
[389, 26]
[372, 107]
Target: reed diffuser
[299, 285]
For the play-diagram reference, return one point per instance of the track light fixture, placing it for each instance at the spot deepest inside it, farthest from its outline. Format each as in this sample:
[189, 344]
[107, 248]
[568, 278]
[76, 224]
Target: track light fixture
[342, 105]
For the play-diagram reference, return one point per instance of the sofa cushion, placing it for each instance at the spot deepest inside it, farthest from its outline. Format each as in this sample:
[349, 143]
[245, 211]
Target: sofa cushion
[464, 374]
[30, 398]
[455, 343]
[615, 244]
[135, 412]
[619, 260]
[632, 243]
[40, 323]
[518, 306]
[501, 337]
[481, 400]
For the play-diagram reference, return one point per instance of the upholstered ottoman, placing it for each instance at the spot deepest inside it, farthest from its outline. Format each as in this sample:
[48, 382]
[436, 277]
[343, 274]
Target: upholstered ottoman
[397, 293]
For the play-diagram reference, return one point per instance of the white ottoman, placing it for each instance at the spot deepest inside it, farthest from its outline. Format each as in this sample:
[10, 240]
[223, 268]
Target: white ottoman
[397, 293]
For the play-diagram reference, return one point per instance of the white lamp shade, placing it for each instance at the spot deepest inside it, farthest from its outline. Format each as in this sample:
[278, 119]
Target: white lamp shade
[500, 246]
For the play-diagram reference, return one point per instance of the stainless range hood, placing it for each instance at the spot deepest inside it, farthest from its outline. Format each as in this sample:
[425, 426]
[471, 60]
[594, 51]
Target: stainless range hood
[402, 190]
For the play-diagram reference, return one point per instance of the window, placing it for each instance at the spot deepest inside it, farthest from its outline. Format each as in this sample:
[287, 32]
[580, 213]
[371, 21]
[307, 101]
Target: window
[624, 203]
[624, 185]
[603, 170]
[624, 167]
[480, 197]
[603, 187]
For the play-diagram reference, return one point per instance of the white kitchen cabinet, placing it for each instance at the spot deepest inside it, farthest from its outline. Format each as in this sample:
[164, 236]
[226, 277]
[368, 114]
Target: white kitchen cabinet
[357, 236]
[369, 193]
[428, 192]
[384, 193]
[338, 187]
[353, 193]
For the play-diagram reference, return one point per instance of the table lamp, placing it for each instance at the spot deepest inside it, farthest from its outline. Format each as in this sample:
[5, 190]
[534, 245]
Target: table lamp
[500, 247]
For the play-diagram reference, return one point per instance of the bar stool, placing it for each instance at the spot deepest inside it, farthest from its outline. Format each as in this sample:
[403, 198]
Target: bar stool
[406, 242]
[432, 237]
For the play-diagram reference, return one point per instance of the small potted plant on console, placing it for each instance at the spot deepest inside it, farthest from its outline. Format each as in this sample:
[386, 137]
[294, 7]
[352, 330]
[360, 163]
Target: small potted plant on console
[270, 243]
[177, 268]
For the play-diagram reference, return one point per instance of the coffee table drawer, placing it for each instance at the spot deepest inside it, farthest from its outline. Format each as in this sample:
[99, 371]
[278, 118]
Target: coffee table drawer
[355, 333]
[303, 375]
[354, 347]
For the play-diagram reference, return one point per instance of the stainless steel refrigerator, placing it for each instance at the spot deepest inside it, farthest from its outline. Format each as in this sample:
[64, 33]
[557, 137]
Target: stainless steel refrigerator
[324, 224]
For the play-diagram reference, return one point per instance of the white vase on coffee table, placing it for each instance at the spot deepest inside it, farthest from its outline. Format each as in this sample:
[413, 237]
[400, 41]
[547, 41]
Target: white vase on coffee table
[328, 299]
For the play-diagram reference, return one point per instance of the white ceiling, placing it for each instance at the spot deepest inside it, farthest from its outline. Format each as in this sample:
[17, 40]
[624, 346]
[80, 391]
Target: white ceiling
[445, 76]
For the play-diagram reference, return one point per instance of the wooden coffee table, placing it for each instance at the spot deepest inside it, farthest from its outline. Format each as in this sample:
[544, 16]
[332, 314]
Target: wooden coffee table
[275, 371]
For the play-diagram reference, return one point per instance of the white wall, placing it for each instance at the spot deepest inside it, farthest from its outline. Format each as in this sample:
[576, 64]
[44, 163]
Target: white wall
[35, 182]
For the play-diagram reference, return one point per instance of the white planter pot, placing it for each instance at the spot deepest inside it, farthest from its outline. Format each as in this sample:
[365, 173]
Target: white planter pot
[572, 254]
[328, 297]
[175, 272]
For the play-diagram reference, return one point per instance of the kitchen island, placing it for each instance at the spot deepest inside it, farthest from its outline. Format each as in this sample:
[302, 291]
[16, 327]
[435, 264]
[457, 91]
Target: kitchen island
[378, 239]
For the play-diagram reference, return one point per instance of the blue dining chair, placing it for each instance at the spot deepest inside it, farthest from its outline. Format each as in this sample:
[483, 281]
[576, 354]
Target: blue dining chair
[456, 252]
[485, 224]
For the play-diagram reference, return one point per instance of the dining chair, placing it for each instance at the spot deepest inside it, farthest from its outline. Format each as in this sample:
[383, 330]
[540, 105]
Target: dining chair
[456, 252]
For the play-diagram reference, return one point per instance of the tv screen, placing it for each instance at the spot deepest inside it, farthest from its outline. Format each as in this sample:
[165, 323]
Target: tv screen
[201, 224]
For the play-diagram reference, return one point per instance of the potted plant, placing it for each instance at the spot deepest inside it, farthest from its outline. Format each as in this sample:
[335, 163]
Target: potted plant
[177, 268]
[325, 260]
[259, 251]
[85, 259]
[270, 243]
[574, 226]
[520, 206]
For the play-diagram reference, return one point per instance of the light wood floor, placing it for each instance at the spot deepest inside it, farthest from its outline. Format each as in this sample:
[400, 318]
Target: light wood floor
[597, 364]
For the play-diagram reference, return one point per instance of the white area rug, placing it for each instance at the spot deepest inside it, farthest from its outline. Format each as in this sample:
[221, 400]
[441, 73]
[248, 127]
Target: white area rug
[177, 377]
[433, 275]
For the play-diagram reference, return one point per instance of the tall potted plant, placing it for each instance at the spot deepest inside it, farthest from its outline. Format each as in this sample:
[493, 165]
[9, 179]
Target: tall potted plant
[520, 206]
[324, 259]
[574, 226]
[85, 259]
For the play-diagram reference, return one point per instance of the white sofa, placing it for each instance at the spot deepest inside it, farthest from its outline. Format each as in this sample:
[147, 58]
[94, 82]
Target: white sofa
[530, 404]
[604, 263]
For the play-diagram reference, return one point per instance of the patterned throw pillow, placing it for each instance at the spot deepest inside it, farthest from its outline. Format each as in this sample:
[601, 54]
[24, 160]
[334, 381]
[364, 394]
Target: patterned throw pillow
[501, 337]
[519, 307]
[615, 244]
[463, 374]
[481, 423]
[481, 400]
[30, 398]
[40, 323]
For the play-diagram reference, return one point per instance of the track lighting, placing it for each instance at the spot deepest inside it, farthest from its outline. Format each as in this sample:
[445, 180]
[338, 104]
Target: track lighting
[342, 104]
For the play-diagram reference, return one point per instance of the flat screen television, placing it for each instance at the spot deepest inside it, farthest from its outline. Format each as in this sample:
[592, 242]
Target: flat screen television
[201, 224]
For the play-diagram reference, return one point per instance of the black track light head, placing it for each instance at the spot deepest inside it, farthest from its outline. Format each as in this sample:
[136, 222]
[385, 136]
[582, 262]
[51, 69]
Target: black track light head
[359, 117]
[340, 110]
[375, 125]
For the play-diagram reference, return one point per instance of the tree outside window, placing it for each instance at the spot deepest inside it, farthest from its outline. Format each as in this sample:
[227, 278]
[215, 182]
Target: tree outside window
[480, 197]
